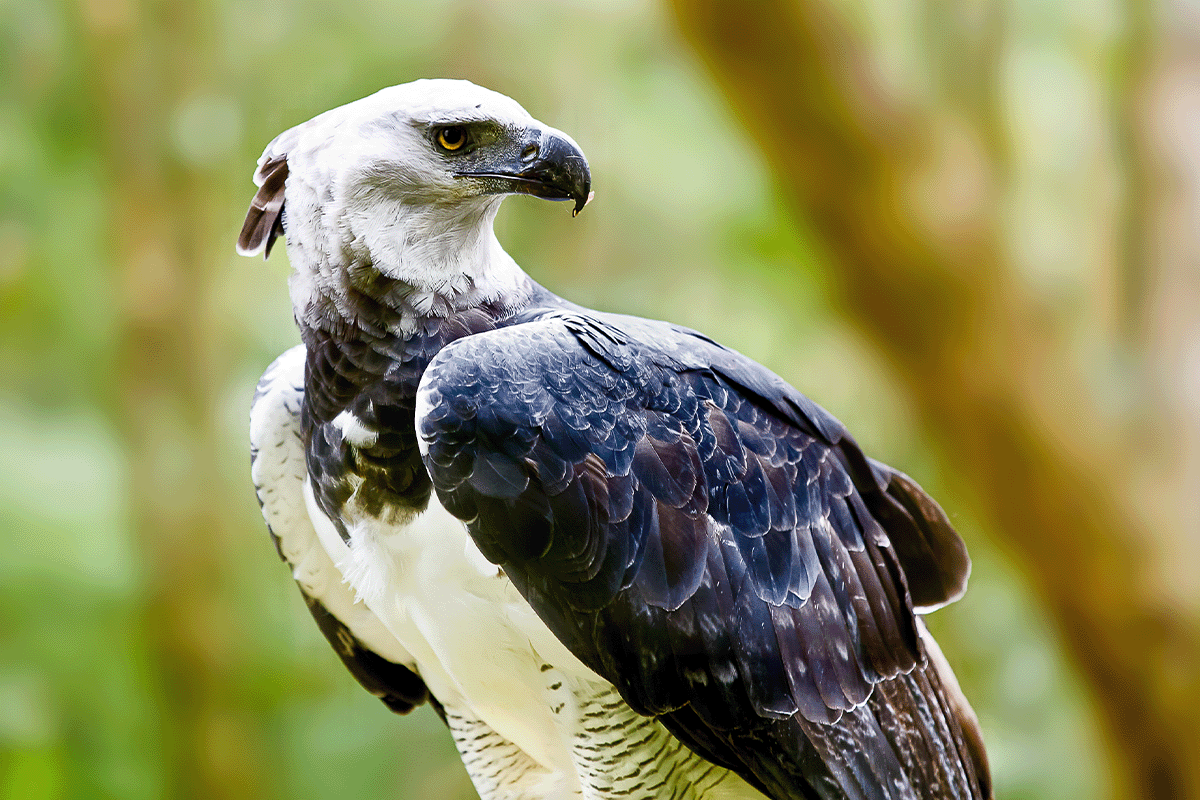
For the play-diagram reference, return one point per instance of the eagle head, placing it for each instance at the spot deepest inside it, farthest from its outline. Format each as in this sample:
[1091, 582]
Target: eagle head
[404, 185]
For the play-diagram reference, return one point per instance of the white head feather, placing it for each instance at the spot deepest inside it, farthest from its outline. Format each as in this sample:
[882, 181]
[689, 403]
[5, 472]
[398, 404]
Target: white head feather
[368, 197]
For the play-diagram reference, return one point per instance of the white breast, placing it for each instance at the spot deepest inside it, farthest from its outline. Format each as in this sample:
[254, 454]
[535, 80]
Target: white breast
[497, 668]
[278, 471]
[478, 644]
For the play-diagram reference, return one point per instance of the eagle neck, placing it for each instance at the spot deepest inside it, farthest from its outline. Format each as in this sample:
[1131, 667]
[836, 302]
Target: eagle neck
[389, 272]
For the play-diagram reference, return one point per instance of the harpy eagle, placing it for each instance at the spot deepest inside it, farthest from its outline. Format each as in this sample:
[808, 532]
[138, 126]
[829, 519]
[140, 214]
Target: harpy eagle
[620, 559]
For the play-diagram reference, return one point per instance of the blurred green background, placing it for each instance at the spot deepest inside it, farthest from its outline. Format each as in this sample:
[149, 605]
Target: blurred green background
[152, 645]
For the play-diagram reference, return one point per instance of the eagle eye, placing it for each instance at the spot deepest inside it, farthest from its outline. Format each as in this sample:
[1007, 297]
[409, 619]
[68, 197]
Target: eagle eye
[451, 137]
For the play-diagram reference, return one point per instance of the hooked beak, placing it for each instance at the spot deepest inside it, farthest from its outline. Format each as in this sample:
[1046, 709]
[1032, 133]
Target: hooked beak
[547, 165]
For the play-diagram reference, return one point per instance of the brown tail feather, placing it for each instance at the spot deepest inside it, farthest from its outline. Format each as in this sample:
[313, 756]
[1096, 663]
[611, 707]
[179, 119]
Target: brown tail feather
[916, 737]
[961, 712]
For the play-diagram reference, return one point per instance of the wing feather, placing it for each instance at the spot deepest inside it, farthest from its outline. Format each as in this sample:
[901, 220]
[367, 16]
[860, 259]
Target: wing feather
[707, 539]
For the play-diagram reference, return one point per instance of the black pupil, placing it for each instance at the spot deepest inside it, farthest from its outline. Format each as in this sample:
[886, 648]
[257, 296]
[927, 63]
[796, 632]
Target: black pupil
[452, 137]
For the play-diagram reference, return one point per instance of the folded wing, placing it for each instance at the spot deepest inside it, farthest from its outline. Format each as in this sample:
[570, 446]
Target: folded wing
[712, 543]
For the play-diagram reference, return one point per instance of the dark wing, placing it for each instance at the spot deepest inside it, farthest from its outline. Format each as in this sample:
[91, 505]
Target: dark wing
[368, 650]
[711, 542]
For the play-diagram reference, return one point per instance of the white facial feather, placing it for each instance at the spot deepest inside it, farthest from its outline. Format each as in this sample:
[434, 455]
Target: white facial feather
[367, 194]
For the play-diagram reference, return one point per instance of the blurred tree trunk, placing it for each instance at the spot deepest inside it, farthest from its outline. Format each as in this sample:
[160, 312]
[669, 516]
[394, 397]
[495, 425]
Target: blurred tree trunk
[931, 287]
[1165, 256]
[149, 56]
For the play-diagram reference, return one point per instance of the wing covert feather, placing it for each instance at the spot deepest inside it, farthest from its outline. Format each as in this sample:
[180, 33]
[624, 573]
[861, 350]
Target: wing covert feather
[709, 550]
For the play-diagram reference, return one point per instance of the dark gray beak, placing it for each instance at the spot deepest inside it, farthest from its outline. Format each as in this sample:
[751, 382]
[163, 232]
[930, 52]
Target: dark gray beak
[547, 164]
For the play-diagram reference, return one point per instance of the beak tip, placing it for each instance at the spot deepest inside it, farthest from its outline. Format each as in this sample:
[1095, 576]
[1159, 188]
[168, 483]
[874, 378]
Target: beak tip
[581, 202]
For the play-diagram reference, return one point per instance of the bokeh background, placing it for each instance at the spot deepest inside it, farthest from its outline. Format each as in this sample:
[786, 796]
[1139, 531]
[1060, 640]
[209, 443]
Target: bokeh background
[971, 230]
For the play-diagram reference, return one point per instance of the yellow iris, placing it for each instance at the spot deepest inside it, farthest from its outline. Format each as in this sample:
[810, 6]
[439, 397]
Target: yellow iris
[452, 138]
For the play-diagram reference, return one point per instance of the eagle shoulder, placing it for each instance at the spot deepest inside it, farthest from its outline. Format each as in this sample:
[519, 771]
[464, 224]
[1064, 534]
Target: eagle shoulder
[279, 473]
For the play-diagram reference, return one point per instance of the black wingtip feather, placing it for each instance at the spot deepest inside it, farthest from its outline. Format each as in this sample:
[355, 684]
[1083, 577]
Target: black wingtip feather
[933, 555]
[400, 689]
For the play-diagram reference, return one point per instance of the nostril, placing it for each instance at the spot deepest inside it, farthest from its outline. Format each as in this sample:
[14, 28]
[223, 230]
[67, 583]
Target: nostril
[529, 153]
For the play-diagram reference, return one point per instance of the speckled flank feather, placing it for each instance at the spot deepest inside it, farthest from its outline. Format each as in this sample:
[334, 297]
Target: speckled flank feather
[496, 766]
[617, 754]
[623, 754]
